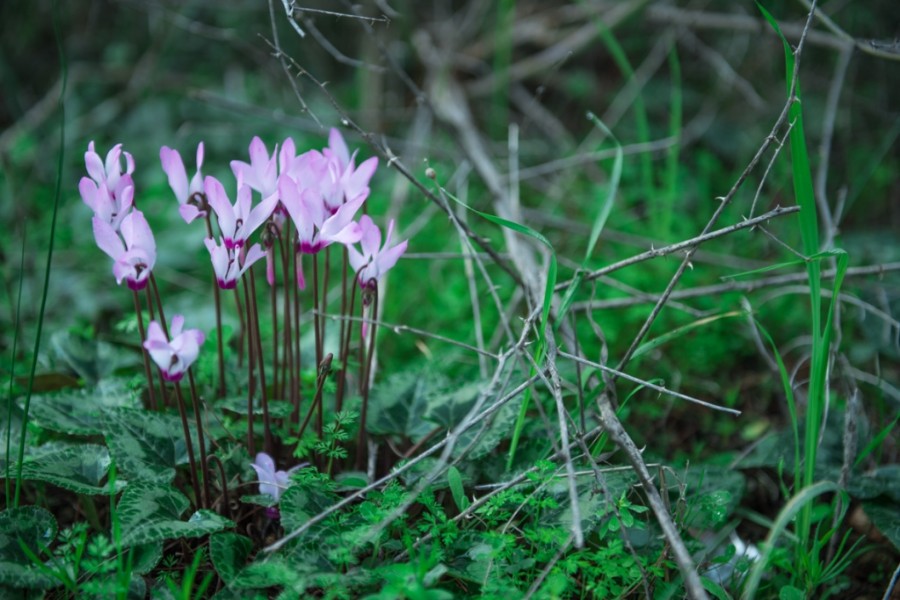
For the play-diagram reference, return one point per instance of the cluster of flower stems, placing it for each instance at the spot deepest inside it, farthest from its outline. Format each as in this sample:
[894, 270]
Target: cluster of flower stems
[307, 203]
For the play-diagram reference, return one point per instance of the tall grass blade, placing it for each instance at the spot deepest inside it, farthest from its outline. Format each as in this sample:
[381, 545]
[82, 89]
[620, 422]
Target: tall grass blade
[59, 175]
[599, 220]
[673, 154]
[809, 232]
[545, 308]
[800, 501]
[12, 367]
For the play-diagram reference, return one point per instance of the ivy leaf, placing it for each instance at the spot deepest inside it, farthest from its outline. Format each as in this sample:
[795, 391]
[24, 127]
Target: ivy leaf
[150, 512]
[79, 468]
[33, 527]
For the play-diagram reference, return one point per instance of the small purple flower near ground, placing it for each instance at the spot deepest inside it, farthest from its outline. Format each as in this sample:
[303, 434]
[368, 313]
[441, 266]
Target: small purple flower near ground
[271, 482]
[173, 358]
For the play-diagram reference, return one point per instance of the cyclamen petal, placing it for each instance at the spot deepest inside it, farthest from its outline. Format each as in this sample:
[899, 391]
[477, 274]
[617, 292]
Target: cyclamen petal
[135, 258]
[338, 148]
[174, 168]
[262, 172]
[272, 482]
[375, 260]
[108, 191]
[227, 262]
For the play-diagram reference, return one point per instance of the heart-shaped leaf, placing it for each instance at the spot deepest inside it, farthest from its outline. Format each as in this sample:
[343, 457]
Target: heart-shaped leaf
[79, 468]
[150, 512]
[146, 446]
[33, 527]
[229, 552]
[80, 411]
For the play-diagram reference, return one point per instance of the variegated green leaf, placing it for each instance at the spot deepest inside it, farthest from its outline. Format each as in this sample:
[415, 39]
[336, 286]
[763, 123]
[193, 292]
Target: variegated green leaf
[229, 552]
[145, 446]
[79, 468]
[34, 528]
[80, 411]
[150, 512]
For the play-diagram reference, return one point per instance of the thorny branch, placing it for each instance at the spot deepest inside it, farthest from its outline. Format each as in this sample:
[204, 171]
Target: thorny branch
[448, 100]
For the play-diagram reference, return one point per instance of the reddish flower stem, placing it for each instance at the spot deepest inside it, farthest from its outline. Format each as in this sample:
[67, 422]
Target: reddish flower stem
[346, 334]
[256, 339]
[362, 450]
[220, 343]
[146, 355]
[204, 464]
[198, 499]
[251, 443]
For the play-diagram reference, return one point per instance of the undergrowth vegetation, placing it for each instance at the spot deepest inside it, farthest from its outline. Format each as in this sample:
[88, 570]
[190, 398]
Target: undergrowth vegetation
[450, 299]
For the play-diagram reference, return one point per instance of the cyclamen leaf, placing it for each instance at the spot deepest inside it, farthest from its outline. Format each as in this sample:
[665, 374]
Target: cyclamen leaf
[150, 512]
[36, 529]
[145, 446]
[80, 411]
[229, 552]
[78, 468]
[398, 406]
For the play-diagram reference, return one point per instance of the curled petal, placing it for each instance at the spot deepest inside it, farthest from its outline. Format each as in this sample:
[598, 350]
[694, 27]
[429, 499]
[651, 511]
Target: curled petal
[174, 169]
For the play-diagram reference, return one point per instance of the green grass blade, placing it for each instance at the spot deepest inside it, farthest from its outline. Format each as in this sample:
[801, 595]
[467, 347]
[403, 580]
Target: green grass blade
[642, 123]
[680, 331]
[793, 263]
[876, 441]
[799, 502]
[809, 232]
[673, 154]
[506, 14]
[545, 308]
[789, 395]
[59, 177]
[599, 220]
[12, 367]
[615, 178]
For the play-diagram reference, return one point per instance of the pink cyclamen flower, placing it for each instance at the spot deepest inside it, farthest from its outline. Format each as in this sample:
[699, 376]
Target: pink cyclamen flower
[230, 264]
[237, 222]
[316, 226]
[375, 259]
[173, 358]
[271, 482]
[178, 181]
[262, 172]
[109, 191]
[347, 181]
[134, 259]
